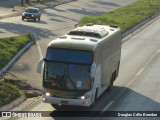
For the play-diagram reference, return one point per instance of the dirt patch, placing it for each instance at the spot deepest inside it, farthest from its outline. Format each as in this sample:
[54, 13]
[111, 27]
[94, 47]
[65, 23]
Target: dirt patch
[22, 85]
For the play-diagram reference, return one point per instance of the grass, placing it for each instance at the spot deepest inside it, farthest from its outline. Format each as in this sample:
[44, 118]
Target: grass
[126, 17]
[8, 93]
[10, 46]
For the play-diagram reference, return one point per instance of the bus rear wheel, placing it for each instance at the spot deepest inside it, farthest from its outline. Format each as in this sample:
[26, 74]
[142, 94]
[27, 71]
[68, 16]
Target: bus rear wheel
[117, 71]
[111, 82]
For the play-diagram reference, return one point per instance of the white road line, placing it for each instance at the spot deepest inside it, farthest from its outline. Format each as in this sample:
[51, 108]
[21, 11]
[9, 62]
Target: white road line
[107, 106]
[146, 28]
[39, 48]
[140, 72]
[158, 51]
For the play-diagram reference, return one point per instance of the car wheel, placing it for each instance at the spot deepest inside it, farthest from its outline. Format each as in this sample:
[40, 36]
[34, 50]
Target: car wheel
[23, 18]
[39, 18]
[34, 19]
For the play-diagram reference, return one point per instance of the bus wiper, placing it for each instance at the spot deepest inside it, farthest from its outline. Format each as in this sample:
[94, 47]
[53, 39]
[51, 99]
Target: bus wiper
[71, 80]
[47, 60]
[56, 77]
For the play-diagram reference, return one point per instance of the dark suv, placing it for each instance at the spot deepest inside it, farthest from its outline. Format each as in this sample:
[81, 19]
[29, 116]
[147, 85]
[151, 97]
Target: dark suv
[31, 13]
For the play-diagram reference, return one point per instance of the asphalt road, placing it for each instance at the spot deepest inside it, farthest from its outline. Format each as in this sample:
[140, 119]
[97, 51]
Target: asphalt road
[137, 87]
[6, 6]
[54, 22]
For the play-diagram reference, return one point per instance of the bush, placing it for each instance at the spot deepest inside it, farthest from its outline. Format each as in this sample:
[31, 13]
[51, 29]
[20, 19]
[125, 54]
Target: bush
[126, 17]
[10, 46]
[8, 93]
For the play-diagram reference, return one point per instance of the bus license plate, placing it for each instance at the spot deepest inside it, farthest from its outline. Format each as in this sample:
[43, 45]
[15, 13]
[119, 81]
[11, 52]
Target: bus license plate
[64, 102]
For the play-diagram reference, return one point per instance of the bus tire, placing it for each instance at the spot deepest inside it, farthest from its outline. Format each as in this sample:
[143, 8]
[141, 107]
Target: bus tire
[57, 107]
[95, 97]
[111, 82]
[117, 71]
[54, 105]
[115, 75]
[96, 94]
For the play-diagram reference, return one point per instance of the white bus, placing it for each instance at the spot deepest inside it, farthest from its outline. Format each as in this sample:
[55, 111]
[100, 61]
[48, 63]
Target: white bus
[81, 65]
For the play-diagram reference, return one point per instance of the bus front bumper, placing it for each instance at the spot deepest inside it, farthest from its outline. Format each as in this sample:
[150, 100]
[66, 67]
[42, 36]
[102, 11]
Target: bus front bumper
[64, 101]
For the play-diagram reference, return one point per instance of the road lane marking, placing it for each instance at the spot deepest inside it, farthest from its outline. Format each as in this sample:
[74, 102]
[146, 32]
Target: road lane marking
[39, 48]
[158, 51]
[107, 106]
[150, 24]
[129, 83]
[141, 70]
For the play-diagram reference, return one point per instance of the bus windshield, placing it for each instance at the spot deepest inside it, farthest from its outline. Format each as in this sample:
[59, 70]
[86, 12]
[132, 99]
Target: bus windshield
[69, 70]
[70, 56]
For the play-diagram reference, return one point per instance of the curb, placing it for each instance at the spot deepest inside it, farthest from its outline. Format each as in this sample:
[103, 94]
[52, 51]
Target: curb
[17, 56]
[41, 8]
[32, 93]
[13, 104]
[23, 97]
[129, 33]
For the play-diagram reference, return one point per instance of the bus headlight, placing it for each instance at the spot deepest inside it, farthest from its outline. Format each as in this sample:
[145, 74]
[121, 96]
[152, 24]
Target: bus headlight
[84, 97]
[48, 94]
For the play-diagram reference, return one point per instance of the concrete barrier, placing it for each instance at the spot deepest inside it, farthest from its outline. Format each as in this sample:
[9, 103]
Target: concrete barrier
[13, 104]
[139, 25]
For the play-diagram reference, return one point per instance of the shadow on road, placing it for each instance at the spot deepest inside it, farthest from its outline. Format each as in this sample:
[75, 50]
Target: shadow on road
[56, 20]
[106, 3]
[23, 29]
[85, 12]
[58, 10]
[129, 100]
[39, 22]
[52, 16]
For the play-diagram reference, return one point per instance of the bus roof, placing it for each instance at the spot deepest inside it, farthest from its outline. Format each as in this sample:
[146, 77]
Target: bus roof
[85, 37]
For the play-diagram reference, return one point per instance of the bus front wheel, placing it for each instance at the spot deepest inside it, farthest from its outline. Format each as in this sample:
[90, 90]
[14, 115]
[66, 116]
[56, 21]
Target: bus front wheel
[95, 97]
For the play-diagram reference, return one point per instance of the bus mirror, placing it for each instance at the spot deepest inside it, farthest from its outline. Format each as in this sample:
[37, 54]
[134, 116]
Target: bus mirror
[40, 64]
[93, 70]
